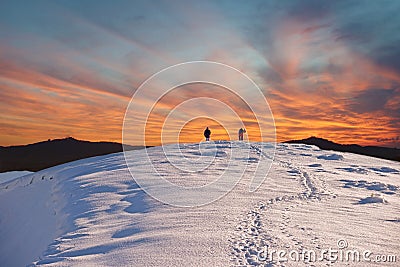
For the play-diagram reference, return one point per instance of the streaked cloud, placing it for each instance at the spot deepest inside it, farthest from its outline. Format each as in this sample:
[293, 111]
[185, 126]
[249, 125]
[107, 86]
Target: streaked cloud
[327, 68]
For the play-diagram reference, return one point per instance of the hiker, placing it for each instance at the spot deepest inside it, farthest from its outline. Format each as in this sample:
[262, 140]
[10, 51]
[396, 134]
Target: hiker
[207, 134]
[241, 132]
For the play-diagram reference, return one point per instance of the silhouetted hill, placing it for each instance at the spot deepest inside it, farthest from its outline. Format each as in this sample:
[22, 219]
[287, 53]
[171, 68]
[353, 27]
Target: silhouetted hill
[42, 155]
[373, 151]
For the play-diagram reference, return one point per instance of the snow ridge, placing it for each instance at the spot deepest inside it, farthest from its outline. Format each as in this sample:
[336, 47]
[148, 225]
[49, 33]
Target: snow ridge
[91, 212]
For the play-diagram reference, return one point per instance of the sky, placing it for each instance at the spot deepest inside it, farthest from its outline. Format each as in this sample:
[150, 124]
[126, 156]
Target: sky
[327, 68]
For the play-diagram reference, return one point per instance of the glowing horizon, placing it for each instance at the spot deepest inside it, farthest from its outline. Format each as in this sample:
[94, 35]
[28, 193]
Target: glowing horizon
[325, 69]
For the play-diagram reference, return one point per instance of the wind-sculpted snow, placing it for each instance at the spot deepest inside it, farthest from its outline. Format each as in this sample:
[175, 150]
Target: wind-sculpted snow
[374, 198]
[331, 157]
[8, 176]
[92, 213]
[374, 186]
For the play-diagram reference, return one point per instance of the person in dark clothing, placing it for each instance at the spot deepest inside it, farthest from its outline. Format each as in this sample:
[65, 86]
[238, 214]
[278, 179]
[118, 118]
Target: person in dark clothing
[207, 134]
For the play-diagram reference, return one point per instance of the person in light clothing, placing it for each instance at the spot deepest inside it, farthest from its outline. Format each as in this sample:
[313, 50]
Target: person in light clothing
[241, 132]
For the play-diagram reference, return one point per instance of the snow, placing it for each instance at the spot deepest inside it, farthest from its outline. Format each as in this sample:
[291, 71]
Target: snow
[91, 212]
[8, 176]
[331, 157]
[374, 198]
[27, 223]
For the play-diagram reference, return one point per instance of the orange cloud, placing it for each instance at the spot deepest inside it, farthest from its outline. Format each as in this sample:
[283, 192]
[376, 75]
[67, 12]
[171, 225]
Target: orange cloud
[319, 101]
[217, 115]
[75, 100]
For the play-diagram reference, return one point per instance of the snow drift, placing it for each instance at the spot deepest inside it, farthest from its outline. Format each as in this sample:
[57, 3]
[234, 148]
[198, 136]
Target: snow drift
[91, 212]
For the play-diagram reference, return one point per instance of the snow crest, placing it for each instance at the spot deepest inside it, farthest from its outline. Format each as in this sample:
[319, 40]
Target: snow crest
[91, 212]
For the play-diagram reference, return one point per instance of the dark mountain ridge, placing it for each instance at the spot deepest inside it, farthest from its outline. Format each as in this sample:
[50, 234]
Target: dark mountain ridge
[42, 155]
[373, 151]
[45, 154]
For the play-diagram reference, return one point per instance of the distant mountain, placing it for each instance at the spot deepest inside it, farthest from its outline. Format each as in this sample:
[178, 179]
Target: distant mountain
[373, 151]
[42, 155]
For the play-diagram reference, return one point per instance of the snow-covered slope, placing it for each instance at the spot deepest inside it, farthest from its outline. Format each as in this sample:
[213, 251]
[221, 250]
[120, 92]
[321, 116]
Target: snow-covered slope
[8, 176]
[92, 213]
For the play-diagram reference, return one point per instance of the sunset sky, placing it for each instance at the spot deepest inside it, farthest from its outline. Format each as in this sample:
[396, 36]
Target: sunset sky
[327, 68]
